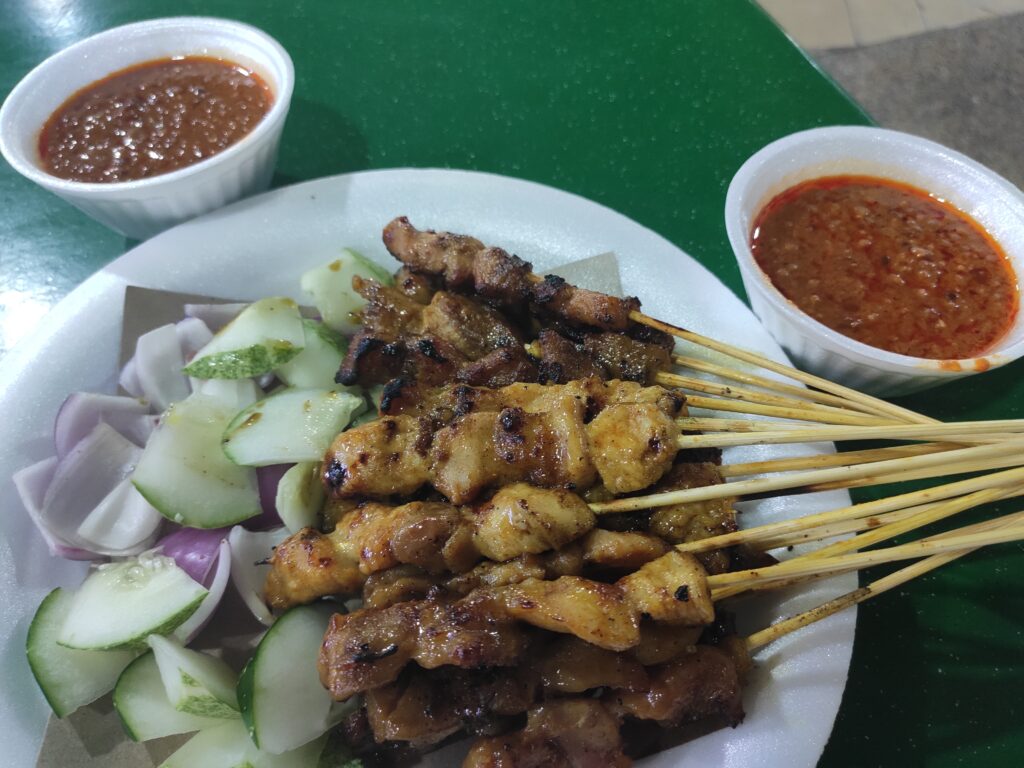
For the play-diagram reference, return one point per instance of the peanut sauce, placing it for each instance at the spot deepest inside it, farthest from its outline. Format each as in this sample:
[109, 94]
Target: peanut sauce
[152, 118]
[889, 265]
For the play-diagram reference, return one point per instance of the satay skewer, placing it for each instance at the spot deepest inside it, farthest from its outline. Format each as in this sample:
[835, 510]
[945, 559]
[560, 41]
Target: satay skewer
[751, 401]
[799, 567]
[763, 382]
[821, 461]
[770, 634]
[964, 431]
[1012, 451]
[880, 406]
[772, 531]
[922, 516]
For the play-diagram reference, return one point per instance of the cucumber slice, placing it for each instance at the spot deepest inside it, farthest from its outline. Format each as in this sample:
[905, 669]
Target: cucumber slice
[318, 362]
[228, 746]
[120, 604]
[267, 334]
[68, 678]
[282, 677]
[141, 703]
[300, 496]
[234, 393]
[331, 288]
[195, 682]
[290, 426]
[183, 471]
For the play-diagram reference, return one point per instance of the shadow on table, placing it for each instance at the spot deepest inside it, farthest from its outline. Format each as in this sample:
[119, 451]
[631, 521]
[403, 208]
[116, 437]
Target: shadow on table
[318, 142]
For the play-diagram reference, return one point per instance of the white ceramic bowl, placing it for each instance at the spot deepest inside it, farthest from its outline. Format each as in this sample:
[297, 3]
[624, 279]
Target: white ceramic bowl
[142, 208]
[985, 196]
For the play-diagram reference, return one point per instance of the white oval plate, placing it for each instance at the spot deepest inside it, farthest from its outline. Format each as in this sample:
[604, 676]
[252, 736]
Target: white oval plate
[259, 247]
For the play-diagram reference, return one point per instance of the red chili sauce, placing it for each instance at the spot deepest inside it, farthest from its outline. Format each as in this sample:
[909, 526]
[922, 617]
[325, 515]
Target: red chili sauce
[888, 265]
[152, 118]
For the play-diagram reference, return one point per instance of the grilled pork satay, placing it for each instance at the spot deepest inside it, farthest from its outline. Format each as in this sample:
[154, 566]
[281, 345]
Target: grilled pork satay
[629, 445]
[694, 686]
[433, 536]
[564, 733]
[369, 648]
[609, 355]
[465, 264]
[450, 338]
[423, 707]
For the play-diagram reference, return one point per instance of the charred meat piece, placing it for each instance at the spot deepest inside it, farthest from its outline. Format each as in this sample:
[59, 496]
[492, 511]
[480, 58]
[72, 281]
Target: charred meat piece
[423, 707]
[368, 648]
[388, 456]
[449, 338]
[632, 445]
[672, 590]
[621, 550]
[565, 733]
[693, 521]
[695, 686]
[464, 264]
[563, 360]
[418, 286]
[570, 665]
[306, 567]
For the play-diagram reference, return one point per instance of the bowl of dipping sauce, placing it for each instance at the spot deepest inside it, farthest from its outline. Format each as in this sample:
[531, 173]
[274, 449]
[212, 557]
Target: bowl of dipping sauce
[878, 259]
[147, 125]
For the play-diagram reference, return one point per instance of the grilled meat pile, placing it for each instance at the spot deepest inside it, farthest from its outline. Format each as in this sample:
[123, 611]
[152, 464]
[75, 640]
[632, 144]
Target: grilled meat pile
[494, 602]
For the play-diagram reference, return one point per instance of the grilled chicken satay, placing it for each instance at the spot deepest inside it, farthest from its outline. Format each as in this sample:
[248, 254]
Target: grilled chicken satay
[464, 264]
[369, 647]
[407, 550]
[437, 538]
[628, 445]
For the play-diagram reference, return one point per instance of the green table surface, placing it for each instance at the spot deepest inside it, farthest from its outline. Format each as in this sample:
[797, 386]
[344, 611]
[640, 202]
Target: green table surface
[648, 108]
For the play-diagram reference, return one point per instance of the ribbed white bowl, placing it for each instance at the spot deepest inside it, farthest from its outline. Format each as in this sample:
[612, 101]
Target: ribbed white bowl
[988, 198]
[142, 208]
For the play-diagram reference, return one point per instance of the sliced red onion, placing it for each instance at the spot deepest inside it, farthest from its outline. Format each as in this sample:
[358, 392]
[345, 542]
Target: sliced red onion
[158, 364]
[129, 379]
[215, 584]
[193, 335]
[31, 484]
[139, 428]
[82, 411]
[84, 478]
[267, 479]
[250, 551]
[215, 316]
[123, 522]
[194, 550]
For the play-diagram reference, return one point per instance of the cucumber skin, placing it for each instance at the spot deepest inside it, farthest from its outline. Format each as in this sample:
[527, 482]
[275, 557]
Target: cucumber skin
[246, 704]
[120, 704]
[243, 363]
[33, 640]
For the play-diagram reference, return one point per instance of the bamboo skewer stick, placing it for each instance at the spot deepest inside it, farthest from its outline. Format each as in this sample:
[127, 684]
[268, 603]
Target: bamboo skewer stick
[715, 424]
[803, 414]
[842, 528]
[763, 382]
[902, 414]
[859, 560]
[849, 458]
[922, 516]
[825, 413]
[770, 634]
[946, 470]
[964, 431]
[762, 485]
[855, 511]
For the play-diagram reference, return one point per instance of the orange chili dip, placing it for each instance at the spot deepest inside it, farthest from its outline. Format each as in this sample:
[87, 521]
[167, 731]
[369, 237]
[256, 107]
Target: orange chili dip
[152, 118]
[888, 265]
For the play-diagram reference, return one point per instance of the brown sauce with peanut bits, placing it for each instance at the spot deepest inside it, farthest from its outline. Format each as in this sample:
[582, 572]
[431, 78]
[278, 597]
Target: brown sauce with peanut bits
[151, 119]
[888, 265]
